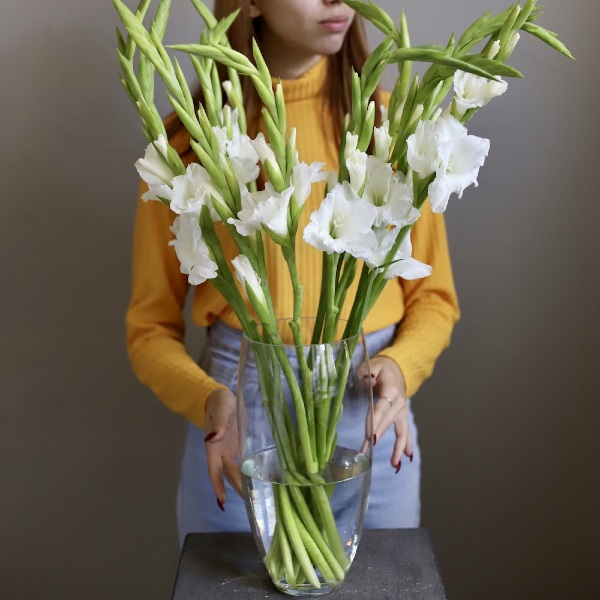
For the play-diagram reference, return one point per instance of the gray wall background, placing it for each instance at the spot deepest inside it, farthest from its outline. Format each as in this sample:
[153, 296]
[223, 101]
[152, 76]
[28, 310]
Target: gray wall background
[89, 459]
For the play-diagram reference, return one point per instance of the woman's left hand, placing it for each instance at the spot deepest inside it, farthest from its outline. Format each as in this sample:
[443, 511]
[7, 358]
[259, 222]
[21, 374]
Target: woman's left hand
[389, 396]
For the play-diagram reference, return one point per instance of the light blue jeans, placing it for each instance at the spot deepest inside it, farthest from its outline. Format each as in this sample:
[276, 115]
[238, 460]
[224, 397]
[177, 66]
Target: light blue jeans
[394, 499]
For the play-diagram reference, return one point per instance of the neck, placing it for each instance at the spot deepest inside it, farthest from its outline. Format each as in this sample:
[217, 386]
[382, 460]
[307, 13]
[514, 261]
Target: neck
[288, 65]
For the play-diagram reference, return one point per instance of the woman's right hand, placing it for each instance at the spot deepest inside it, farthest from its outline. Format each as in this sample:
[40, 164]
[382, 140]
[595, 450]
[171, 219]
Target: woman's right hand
[221, 443]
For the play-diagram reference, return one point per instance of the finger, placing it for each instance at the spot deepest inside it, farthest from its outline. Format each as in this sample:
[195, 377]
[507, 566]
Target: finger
[386, 412]
[408, 449]
[233, 474]
[215, 472]
[364, 369]
[365, 376]
[402, 437]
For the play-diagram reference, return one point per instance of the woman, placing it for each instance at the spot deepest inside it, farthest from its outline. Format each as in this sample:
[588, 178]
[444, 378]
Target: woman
[310, 45]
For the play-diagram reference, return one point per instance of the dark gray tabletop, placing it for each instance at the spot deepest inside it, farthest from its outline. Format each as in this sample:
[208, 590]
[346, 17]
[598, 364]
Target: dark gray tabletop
[396, 564]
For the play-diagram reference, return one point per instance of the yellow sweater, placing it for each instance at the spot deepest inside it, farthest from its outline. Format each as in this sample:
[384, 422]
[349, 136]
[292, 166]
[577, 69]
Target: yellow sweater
[425, 309]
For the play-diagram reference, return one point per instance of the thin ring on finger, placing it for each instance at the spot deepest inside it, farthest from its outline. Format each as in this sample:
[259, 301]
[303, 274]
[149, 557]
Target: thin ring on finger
[387, 399]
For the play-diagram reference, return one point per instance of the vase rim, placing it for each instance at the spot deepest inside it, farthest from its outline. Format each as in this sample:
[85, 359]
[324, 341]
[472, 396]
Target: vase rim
[281, 322]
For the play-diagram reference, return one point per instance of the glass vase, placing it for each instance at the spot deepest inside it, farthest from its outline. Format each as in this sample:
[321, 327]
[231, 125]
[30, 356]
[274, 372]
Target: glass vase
[305, 420]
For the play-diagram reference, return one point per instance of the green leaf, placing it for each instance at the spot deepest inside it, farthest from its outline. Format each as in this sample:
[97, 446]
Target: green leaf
[436, 57]
[161, 19]
[547, 37]
[219, 31]
[493, 67]
[216, 54]
[205, 13]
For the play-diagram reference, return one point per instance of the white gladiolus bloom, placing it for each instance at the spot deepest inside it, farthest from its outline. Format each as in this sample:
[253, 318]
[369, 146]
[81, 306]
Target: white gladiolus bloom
[379, 179]
[228, 87]
[461, 155]
[444, 147]
[303, 176]
[273, 211]
[239, 149]
[263, 149]
[404, 265]
[155, 171]
[243, 156]
[267, 207]
[356, 162]
[221, 137]
[399, 209]
[390, 194]
[342, 224]
[331, 180]
[351, 144]
[192, 251]
[383, 141]
[493, 51]
[422, 154]
[472, 91]
[192, 191]
[247, 276]
[248, 221]
[383, 112]
[512, 41]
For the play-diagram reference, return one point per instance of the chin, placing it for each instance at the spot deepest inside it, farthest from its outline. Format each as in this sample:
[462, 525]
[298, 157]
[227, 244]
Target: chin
[332, 46]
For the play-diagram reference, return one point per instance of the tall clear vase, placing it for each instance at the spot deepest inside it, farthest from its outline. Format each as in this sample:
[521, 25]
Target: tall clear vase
[305, 420]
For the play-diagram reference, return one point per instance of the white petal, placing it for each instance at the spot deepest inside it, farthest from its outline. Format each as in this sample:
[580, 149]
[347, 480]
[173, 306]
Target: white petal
[273, 211]
[422, 153]
[473, 91]
[383, 141]
[192, 251]
[379, 180]
[408, 268]
[263, 149]
[356, 163]
[343, 223]
[247, 276]
[153, 168]
[303, 176]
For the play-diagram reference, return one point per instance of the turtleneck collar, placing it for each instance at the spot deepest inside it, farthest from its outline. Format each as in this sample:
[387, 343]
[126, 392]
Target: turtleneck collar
[308, 85]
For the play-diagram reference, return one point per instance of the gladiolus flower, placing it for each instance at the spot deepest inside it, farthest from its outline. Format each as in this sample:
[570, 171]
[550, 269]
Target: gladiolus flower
[356, 162]
[403, 264]
[445, 148]
[192, 251]
[155, 171]
[303, 176]
[192, 191]
[247, 276]
[472, 91]
[342, 224]
[265, 208]
[461, 156]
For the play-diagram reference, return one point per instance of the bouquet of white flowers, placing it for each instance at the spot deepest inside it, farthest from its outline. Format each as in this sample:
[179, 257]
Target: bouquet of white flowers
[421, 151]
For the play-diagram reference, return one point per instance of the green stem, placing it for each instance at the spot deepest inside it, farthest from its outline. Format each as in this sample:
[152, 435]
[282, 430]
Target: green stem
[320, 498]
[331, 310]
[313, 530]
[296, 542]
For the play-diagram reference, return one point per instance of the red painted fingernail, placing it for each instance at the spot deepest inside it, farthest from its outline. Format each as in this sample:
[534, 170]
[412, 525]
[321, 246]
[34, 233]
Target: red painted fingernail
[220, 504]
[398, 466]
[210, 436]
[374, 439]
[410, 456]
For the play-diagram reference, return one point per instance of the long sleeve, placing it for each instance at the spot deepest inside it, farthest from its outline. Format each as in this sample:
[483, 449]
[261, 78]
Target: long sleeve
[431, 305]
[155, 321]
